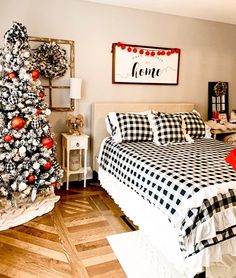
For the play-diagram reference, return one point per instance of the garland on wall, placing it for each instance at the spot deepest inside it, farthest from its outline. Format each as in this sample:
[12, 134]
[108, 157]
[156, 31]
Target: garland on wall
[141, 51]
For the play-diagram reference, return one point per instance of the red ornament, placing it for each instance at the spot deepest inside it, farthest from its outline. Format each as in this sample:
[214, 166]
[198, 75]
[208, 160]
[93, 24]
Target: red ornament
[172, 51]
[41, 94]
[119, 44]
[141, 51]
[158, 52]
[168, 53]
[177, 50]
[163, 52]
[11, 75]
[129, 49]
[35, 74]
[31, 178]
[47, 166]
[147, 53]
[152, 53]
[135, 50]
[54, 184]
[38, 111]
[123, 46]
[47, 142]
[17, 122]
[8, 138]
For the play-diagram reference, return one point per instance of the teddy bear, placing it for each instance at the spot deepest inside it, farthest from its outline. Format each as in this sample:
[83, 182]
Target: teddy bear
[75, 124]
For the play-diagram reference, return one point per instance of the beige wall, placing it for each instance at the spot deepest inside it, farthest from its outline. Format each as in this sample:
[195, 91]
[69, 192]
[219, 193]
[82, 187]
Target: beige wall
[208, 49]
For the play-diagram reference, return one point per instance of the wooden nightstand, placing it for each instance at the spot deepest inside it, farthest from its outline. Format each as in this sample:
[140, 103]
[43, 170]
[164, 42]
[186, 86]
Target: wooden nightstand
[74, 142]
[220, 132]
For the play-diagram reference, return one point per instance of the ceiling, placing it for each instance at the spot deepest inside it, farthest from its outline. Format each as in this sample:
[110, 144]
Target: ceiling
[214, 10]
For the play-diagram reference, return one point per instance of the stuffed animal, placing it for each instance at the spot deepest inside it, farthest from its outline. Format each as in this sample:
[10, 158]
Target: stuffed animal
[75, 124]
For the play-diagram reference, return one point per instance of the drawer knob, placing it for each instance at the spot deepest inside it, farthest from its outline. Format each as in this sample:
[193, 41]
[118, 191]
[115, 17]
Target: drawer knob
[77, 144]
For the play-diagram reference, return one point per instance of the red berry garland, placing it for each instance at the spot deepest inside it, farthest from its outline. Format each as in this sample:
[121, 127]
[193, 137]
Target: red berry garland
[152, 53]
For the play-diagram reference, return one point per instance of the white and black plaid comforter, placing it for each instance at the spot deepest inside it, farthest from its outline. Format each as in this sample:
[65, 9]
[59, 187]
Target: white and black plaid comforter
[166, 176]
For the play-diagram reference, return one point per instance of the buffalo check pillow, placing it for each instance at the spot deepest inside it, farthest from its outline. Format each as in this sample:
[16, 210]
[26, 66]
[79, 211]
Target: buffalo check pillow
[129, 127]
[194, 125]
[167, 128]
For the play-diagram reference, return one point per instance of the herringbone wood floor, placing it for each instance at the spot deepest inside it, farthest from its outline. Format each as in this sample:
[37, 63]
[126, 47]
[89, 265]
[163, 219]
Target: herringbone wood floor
[70, 241]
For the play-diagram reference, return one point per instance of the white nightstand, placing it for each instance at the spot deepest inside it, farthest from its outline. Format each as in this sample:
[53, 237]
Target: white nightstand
[74, 142]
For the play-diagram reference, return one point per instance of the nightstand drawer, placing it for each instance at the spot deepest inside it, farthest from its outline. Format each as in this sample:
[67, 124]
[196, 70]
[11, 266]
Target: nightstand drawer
[78, 143]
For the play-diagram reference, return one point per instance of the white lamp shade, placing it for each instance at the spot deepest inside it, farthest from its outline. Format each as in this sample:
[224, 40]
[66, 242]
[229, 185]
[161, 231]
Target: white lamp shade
[75, 88]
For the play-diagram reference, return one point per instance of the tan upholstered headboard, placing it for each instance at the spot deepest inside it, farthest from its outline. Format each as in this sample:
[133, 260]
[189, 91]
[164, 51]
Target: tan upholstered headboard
[100, 110]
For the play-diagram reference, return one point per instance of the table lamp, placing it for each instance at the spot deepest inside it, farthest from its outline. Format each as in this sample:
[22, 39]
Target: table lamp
[75, 90]
[75, 123]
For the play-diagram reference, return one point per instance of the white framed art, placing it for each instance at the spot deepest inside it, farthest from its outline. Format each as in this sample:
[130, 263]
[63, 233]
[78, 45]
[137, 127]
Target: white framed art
[136, 64]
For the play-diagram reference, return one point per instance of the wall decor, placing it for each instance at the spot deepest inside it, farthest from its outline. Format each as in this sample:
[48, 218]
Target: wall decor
[136, 64]
[57, 85]
[218, 98]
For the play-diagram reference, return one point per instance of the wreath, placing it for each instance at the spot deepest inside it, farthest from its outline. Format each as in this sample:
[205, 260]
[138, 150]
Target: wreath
[220, 89]
[50, 60]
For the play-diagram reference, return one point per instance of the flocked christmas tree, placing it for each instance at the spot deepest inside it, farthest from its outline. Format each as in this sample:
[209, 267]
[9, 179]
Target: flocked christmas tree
[28, 165]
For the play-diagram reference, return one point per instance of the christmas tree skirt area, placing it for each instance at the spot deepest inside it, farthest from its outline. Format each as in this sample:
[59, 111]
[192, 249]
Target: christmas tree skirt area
[14, 216]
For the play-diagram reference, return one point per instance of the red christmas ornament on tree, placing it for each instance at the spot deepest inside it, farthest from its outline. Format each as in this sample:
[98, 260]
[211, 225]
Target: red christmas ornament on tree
[47, 142]
[35, 74]
[8, 138]
[17, 122]
[41, 94]
[11, 75]
[47, 166]
[38, 111]
[31, 178]
[54, 184]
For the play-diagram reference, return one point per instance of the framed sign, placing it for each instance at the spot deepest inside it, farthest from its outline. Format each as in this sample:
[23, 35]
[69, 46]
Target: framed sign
[136, 64]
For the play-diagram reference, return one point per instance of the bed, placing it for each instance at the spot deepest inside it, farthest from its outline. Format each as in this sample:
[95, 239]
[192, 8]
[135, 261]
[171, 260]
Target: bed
[181, 195]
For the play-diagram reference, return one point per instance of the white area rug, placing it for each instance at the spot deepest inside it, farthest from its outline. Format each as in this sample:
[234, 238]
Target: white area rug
[139, 259]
